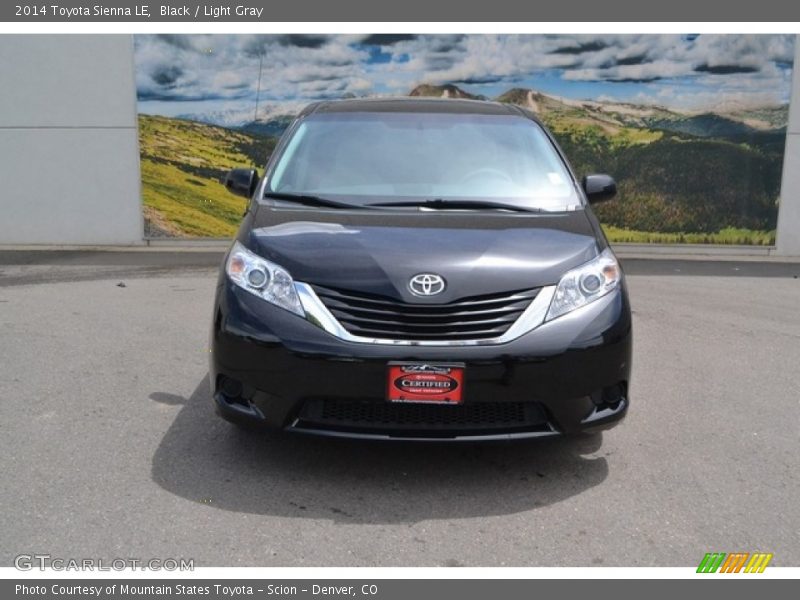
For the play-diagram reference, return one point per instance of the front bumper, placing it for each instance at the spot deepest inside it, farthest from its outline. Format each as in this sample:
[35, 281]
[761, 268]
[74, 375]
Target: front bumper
[273, 369]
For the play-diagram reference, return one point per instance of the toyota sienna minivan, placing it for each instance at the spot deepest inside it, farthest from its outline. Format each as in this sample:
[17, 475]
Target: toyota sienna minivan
[420, 269]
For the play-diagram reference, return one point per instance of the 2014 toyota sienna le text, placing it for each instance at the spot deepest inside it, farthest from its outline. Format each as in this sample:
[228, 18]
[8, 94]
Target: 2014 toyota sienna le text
[423, 269]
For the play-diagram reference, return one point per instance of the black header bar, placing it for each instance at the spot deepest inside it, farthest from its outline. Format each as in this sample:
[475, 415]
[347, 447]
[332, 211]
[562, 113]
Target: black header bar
[445, 11]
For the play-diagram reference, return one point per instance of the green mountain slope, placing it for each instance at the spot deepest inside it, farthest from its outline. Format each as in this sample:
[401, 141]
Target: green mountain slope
[703, 178]
[707, 178]
[700, 186]
[625, 123]
[182, 163]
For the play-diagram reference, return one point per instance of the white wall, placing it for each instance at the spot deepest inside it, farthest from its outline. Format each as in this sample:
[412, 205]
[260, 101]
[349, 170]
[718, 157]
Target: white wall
[69, 161]
[788, 235]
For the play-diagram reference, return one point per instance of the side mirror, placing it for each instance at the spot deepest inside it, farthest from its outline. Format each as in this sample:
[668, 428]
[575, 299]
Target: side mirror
[599, 188]
[241, 182]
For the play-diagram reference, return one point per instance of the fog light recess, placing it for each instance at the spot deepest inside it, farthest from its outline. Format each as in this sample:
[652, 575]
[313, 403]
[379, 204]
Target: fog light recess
[231, 388]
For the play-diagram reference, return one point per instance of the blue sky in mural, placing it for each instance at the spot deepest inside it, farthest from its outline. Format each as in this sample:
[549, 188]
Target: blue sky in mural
[214, 77]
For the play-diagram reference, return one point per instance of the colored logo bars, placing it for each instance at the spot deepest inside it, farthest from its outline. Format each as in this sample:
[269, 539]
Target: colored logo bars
[735, 562]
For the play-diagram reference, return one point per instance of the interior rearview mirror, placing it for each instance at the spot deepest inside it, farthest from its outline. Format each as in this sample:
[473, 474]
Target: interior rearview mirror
[599, 188]
[241, 182]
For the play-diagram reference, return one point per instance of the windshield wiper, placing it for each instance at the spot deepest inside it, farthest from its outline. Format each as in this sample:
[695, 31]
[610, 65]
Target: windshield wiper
[309, 200]
[442, 204]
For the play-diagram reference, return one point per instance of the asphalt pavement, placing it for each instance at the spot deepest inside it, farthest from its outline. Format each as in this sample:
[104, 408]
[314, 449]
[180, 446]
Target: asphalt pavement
[110, 447]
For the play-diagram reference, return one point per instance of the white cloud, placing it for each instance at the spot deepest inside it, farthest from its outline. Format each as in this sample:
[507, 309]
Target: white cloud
[297, 69]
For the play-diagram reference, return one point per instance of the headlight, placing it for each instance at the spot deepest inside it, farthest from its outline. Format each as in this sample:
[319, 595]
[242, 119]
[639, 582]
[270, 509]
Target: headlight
[262, 278]
[585, 284]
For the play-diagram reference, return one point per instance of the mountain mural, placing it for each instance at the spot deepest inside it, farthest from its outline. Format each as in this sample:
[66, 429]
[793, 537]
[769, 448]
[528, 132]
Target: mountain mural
[692, 127]
[444, 91]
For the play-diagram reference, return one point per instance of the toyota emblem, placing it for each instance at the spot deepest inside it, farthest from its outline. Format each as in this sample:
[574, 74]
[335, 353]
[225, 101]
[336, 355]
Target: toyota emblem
[426, 284]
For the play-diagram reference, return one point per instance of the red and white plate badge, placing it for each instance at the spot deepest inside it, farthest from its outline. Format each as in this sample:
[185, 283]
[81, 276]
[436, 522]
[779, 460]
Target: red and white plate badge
[425, 383]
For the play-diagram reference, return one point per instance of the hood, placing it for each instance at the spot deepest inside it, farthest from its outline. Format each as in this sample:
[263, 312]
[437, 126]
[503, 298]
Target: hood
[377, 252]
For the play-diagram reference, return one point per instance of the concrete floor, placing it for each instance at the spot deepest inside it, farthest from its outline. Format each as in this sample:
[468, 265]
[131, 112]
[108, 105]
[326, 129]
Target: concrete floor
[111, 449]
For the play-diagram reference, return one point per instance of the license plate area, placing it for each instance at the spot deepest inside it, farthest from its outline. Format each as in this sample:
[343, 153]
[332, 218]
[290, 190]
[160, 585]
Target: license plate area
[428, 383]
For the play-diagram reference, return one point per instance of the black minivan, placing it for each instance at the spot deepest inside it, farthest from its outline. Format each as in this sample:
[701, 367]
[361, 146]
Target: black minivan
[420, 269]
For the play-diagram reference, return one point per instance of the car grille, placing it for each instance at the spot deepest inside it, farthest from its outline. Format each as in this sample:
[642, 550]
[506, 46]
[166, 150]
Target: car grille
[473, 318]
[421, 420]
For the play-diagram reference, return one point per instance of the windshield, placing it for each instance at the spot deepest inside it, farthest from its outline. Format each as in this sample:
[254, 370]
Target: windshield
[368, 158]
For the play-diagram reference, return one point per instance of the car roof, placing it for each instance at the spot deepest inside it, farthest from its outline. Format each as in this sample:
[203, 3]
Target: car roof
[417, 105]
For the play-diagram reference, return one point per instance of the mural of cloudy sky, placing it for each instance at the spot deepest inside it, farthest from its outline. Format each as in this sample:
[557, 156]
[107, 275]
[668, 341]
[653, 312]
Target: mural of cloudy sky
[215, 77]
